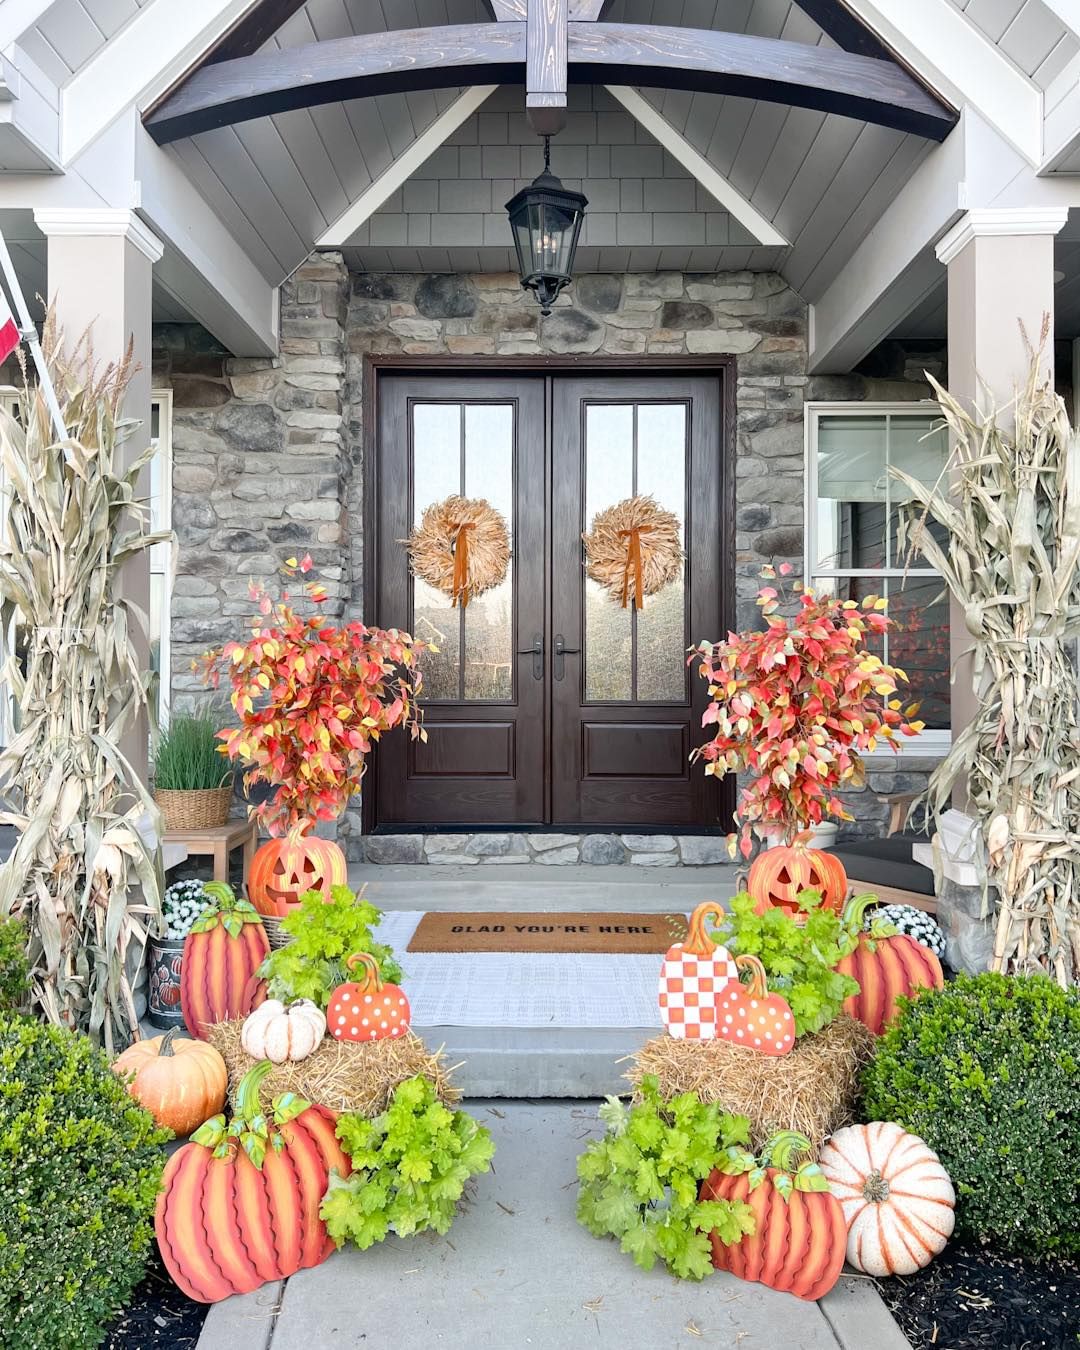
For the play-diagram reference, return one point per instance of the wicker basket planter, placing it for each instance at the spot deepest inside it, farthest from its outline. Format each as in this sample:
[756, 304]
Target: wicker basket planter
[202, 809]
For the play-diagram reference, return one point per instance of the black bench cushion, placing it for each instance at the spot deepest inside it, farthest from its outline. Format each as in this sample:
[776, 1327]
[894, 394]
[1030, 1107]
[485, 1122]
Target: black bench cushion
[886, 862]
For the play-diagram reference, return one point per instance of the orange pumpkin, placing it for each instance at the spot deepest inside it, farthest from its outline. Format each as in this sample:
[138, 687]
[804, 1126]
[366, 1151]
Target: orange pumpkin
[777, 875]
[691, 978]
[886, 967]
[285, 869]
[753, 1017]
[226, 946]
[180, 1082]
[367, 1010]
[239, 1204]
[800, 1238]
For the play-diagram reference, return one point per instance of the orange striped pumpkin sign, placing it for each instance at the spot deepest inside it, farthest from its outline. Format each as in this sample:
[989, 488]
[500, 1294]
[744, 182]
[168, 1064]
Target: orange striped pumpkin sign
[800, 1237]
[226, 946]
[886, 967]
[239, 1204]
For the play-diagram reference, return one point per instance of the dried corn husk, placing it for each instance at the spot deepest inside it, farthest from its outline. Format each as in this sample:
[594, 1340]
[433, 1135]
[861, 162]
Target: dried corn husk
[632, 549]
[1011, 507]
[433, 547]
[79, 865]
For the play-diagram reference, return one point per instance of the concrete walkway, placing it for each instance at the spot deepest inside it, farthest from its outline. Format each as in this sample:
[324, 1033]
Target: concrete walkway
[516, 1270]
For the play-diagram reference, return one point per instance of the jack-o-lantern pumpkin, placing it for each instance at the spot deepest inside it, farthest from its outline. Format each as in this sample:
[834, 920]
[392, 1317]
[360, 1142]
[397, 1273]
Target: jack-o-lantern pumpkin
[777, 875]
[285, 869]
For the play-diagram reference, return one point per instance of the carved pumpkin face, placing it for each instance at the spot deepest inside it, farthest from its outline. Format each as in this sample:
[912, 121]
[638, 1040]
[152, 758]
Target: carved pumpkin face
[285, 869]
[777, 875]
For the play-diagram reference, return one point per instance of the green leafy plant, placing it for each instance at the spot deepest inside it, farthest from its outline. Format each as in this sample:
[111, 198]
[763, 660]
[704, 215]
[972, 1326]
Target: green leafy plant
[188, 756]
[324, 934]
[640, 1182]
[80, 1165]
[410, 1166]
[14, 966]
[782, 1151]
[800, 958]
[987, 1071]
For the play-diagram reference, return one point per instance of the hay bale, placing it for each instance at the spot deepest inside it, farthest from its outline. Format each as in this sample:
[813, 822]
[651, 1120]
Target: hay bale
[811, 1090]
[343, 1075]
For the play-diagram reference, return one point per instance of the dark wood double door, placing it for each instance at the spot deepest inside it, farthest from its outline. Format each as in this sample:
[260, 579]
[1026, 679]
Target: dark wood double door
[547, 702]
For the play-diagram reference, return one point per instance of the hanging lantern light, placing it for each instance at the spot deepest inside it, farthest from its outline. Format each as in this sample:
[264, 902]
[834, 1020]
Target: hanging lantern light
[545, 219]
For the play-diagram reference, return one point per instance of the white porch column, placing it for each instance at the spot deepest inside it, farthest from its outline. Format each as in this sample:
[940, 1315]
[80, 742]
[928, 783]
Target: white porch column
[100, 264]
[1001, 275]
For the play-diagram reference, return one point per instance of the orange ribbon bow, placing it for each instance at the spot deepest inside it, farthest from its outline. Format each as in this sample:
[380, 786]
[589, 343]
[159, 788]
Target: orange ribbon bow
[633, 565]
[460, 584]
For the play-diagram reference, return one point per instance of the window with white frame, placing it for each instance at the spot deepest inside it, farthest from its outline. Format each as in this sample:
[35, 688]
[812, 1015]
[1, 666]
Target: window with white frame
[853, 547]
[161, 565]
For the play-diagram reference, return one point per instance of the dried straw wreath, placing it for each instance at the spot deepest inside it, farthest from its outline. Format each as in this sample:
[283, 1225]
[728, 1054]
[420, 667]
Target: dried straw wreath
[633, 550]
[461, 547]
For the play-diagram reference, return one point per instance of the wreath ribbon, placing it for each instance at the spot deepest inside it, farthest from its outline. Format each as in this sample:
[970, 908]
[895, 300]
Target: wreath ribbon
[460, 583]
[632, 567]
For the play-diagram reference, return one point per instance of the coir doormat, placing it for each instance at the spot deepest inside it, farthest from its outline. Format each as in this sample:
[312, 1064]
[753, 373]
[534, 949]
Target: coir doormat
[598, 934]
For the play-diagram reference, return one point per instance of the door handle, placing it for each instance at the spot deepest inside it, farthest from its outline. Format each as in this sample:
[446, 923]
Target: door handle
[561, 650]
[536, 651]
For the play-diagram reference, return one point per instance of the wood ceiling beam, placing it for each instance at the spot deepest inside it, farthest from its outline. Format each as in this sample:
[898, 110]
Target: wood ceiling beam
[249, 33]
[597, 53]
[834, 18]
[545, 65]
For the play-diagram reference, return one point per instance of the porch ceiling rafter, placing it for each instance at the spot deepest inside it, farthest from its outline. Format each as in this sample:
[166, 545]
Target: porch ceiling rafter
[16, 16]
[771, 69]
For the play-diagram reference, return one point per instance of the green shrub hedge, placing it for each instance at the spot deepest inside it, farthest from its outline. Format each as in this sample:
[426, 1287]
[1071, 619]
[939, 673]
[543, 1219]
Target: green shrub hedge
[80, 1165]
[987, 1071]
[14, 966]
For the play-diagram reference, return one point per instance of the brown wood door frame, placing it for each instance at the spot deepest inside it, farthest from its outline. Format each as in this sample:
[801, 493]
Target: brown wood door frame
[724, 367]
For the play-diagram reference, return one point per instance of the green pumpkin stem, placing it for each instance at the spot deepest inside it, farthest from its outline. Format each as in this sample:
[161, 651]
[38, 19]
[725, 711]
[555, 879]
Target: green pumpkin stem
[226, 910]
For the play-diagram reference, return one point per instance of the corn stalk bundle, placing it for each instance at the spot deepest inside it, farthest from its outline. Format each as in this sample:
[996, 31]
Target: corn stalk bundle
[1011, 510]
[80, 874]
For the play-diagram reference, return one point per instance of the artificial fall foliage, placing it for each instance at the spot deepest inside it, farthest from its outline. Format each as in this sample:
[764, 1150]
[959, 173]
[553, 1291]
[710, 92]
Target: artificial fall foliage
[794, 705]
[312, 699]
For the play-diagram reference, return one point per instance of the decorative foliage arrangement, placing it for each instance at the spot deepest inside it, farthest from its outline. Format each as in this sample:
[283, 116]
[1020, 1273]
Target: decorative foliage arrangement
[239, 1203]
[799, 1238]
[633, 550]
[987, 1072]
[692, 975]
[461, 547]
[800, 956]
[80, 1164]
[181, 905]
[410, 1166]
[640, 1182]
[1011, 559]
[223, 950]
[897, 1198]
[187, 757]
[886, 965]
[180, 1082]
[312, 700]
[74, 521]
[324, 934]
[795, 705]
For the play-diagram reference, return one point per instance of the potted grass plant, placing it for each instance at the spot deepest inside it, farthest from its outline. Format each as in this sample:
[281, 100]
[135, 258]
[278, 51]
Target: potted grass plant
[192, 786]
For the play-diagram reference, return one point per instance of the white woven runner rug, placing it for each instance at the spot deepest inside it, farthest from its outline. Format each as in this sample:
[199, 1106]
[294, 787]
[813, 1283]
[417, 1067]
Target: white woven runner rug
[516, 989]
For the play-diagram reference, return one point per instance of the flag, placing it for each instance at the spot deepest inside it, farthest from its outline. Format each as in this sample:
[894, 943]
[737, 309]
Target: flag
[9, 329]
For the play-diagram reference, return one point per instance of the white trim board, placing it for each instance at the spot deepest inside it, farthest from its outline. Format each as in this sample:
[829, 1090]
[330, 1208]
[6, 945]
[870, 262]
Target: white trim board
[710, 178]
[16, 16]
[339, 231]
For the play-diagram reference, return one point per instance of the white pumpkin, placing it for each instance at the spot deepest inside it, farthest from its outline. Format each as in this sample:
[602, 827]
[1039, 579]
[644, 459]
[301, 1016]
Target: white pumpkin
[897, 1198]
[281, 1032]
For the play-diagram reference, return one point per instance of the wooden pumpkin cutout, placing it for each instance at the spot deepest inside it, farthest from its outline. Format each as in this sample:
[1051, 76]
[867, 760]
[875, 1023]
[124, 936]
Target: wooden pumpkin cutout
[285, 869]
[225, 947]
[367, 1010]
[692, 976]
[886, 965]
[753, 1017]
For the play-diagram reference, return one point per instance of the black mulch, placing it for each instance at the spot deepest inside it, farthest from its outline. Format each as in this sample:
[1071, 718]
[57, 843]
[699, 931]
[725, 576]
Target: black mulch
[158, 1315]
[973, 1298]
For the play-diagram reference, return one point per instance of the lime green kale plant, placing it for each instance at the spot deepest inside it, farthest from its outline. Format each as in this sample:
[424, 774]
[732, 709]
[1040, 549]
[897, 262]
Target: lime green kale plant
[799, 957]
[410, 1166]
[640, 1182]
[325, 933]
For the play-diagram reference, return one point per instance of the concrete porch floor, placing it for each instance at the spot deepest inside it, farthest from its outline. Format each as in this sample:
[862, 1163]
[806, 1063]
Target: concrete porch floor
[517, 1270]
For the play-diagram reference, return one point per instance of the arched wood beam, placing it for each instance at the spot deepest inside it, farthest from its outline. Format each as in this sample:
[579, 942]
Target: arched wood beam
[599, 53]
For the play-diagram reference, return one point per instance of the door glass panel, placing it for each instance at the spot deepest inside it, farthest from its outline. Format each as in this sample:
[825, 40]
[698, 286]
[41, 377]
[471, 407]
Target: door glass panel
[489, 619]
[636, 655]
[465, 449]
[919, 446]
[609, 477]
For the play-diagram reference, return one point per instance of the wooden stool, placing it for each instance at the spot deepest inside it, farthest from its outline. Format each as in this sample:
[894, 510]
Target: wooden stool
[218, 841]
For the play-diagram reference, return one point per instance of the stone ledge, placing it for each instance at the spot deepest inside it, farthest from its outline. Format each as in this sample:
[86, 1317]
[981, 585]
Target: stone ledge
[554, 850]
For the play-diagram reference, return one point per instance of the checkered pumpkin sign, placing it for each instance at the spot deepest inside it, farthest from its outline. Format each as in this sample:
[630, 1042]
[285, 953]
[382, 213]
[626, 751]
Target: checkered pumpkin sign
[693, 975]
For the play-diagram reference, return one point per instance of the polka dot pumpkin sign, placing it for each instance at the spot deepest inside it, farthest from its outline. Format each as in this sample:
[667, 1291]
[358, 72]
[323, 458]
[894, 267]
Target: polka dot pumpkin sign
[749, 1015]
[691, 978]
[367, 1009]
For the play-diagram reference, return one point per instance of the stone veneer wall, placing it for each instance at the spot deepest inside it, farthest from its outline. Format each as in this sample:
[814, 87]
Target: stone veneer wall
[267, 455]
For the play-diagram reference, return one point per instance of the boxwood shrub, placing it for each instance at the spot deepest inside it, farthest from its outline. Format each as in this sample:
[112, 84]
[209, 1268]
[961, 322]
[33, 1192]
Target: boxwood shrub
[987, 1071]
[80, 1165]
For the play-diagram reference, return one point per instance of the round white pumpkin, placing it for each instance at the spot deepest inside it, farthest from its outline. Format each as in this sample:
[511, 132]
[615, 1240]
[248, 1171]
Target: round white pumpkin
[280, 1032]
[897, 1199]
